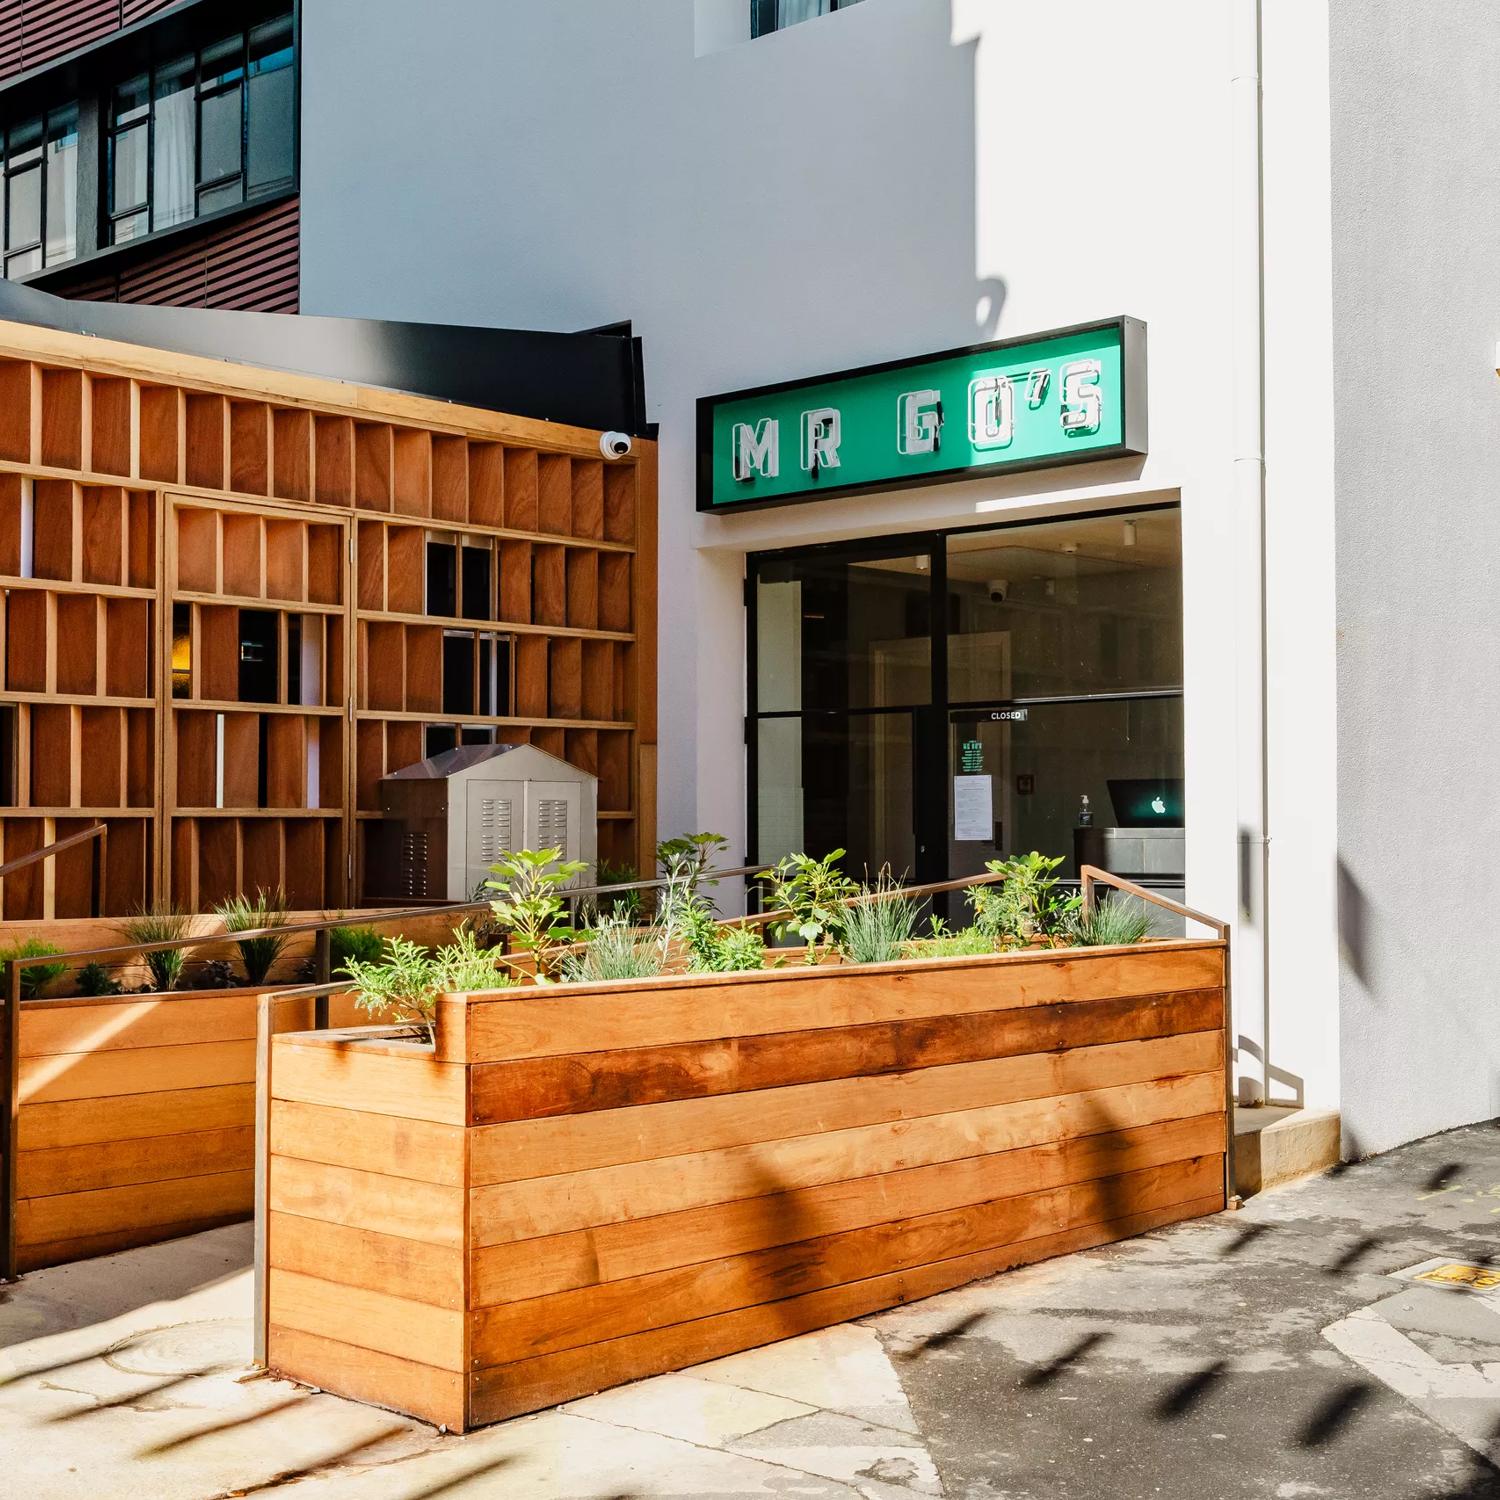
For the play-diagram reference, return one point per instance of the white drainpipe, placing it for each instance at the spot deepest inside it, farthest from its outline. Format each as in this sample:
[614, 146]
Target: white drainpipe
[1252, 935]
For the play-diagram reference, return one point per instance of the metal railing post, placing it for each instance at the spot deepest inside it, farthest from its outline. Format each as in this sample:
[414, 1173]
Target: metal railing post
[322, 974]
[10, 1115]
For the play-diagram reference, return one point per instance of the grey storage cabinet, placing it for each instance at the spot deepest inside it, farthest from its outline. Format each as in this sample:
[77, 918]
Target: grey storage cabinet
[447, 819]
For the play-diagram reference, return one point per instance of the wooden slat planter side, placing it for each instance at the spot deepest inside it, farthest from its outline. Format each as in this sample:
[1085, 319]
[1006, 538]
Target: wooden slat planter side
[645, 1176]
[365, 1233]
[136, 1120]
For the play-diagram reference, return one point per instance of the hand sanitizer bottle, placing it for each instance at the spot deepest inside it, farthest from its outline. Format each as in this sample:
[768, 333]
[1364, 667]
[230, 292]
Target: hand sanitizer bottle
[1085, 813]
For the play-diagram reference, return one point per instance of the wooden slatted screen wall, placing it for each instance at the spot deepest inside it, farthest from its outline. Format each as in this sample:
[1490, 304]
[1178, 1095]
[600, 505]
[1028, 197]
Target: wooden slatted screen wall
[158, 512]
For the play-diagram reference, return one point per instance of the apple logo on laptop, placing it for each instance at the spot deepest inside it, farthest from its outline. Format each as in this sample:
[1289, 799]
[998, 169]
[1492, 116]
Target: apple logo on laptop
[1158, 806]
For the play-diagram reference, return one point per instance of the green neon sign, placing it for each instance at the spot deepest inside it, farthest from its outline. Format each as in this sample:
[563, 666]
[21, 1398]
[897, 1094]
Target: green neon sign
[1070, 396]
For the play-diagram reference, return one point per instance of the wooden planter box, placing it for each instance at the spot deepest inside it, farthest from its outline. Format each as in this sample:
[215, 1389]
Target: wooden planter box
[136, 1119]
[589, 1184]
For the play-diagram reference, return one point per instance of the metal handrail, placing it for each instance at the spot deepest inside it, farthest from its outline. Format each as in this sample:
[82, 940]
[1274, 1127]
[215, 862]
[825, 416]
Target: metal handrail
[1089, 875]
[366, 919]
[96, 833]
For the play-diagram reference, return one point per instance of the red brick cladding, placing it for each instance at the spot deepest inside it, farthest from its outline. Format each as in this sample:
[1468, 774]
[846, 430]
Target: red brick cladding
[249, 263]
[33, 32]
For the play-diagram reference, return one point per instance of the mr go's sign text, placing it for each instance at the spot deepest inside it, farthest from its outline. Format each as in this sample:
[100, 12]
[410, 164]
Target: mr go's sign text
[1063, 397]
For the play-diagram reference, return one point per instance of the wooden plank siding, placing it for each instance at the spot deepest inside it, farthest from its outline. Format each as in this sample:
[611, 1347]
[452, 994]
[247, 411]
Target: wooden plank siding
[136, 1119]
[588, 1186]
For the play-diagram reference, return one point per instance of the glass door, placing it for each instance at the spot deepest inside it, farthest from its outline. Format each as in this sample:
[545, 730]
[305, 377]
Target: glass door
[840, 723]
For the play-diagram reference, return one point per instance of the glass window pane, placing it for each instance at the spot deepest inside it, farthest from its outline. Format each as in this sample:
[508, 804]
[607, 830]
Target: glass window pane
[224, 61]
[132, 100]
[271, 105]
[24, 143]
[62, 185]
[25, 207]
[174, 180]
[1125, 756]
[1068, 607]
[24, 263]
[835, 632]
[837, 782]
[128, 170]
[132, 227]
[221, 123]
[212, 199]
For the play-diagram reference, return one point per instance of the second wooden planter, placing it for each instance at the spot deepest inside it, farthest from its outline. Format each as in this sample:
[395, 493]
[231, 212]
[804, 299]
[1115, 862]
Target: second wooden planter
[588, 1184]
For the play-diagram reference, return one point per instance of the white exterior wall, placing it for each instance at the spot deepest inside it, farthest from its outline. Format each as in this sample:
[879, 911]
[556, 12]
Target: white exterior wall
[901, 177]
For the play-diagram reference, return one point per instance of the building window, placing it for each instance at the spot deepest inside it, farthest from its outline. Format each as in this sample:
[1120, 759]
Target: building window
[202, 132]
[41, 191]
[767, 16]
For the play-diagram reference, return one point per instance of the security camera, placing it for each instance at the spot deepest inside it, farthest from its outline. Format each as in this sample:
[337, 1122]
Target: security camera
[615, 444]
[999, 588]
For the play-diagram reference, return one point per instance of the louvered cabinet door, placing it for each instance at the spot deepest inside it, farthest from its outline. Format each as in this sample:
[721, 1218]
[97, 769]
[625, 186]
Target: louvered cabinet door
[494, 825]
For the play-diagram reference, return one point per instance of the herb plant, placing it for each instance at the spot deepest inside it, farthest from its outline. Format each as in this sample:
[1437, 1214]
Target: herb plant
[159, 924]
[248, 914]
[34, 977]
[615, 949]
[1114, 920]
[1024, 906]
[344, 943]
[529, 905]
[403, 987]
[812, 891]
[877, 929]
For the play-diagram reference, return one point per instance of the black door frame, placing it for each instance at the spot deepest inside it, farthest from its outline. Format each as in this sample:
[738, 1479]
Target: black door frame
[930, 769]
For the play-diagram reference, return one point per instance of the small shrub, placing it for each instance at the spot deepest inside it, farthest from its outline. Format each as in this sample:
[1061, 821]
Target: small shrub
[876, 931]
[159, 924]
[34, 977]
[1026, 904]
[1116, 920]
[215, 974]
[404, 985]
[615, 949]
[966, 942]
[730, 950]
[344, 943]
[813, 892]
[249, 913]
[95, 979]
[530, 906]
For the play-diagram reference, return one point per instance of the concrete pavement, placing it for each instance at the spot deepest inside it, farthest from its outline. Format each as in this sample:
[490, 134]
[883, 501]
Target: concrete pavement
[1278, 1353]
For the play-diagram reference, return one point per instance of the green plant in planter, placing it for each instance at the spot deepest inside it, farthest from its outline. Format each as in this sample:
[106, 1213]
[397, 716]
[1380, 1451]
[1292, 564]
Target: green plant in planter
[530, 905]
[691, 851]
[34, 977]
[95, 979]
[159, 924]
[877, 930]
[715, 947]
[812, 891]
[402, 987]
[248, 914]
[1027, 904]
[628, 904]
[1116, 920]
[943, 943]
[616, 949]
[344, 943]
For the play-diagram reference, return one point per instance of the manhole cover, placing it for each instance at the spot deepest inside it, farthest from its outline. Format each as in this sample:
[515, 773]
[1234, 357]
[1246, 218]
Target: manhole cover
[207, 1348]
[1456, 1275]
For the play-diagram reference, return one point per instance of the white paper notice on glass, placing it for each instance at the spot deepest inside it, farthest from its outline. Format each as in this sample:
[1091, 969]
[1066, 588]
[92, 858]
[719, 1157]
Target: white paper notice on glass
[973, 809]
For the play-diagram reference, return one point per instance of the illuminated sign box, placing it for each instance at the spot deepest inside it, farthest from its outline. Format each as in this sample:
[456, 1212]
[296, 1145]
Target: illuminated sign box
[1074, 395]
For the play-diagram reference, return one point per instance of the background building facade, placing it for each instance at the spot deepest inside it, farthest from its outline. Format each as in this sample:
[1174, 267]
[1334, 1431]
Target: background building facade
[1289, 195]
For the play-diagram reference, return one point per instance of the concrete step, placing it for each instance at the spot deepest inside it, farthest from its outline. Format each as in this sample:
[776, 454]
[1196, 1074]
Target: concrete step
[1274, 1144]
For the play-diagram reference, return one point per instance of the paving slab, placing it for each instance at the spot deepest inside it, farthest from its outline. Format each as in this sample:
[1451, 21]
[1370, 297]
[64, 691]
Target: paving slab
[1280, 1352]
